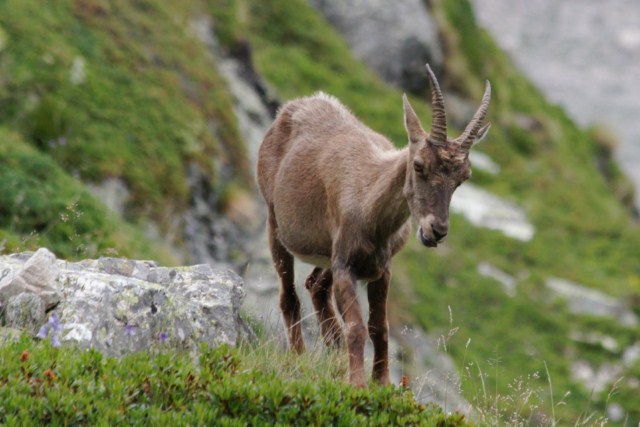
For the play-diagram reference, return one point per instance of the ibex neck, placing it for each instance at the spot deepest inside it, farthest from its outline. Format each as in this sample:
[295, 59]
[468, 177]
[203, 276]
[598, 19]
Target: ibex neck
[386, 200]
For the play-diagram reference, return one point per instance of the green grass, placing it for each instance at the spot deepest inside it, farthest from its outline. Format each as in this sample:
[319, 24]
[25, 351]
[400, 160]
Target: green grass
[66, 386]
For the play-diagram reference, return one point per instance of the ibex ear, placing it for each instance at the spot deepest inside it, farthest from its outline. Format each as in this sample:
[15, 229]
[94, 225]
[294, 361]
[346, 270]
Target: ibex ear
[411, 122]
[484, 130]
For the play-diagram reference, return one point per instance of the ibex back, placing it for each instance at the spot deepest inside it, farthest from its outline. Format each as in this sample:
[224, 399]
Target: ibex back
[340, 197]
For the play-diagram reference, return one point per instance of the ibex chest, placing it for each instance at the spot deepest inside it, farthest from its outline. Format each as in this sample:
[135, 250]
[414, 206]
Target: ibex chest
[369, 259]
[369, 266]
[365, 264]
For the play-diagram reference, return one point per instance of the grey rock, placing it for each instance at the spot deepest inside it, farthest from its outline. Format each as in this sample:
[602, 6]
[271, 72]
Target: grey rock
[434, 375]
[460, 110]
[394, 40]
[583, 300]
[208, 234]
[595, 379]
[507, 281]
[37, 275]
[119, 266]
[483, 162]
[78, 71]
[607, 342]
[119, 306]
[631, 354]
[25, 311]
[180, 307]
[485, 209]
[113, 192]
[254, 116]
[615, 412]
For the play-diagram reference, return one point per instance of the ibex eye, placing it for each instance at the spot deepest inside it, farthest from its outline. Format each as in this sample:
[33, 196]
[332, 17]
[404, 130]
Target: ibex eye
[418, 167]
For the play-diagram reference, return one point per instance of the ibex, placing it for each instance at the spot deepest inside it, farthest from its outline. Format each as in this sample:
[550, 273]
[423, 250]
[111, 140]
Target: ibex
[340, 197]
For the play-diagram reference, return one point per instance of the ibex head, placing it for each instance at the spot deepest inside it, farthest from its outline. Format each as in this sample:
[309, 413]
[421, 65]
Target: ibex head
[437, 163]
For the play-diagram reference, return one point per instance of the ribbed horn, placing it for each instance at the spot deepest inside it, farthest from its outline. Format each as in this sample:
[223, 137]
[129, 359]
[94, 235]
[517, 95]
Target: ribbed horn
[438, 133]
[471, 131]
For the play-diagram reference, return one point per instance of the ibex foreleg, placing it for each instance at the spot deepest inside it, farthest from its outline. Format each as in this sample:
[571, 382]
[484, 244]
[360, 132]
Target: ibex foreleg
[344, 283]
[379, 326]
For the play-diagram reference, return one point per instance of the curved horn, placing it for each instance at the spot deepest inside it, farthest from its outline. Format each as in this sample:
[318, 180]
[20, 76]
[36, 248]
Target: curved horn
[471, 131]
[438, 133]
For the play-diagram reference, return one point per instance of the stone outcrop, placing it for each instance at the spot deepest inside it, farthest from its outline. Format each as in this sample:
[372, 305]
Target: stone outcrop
[228, 237]
[485, 209]
[119, 305]
[38, 275]
[583, 300]
[26, 311]
[395, 41]
[431, 370]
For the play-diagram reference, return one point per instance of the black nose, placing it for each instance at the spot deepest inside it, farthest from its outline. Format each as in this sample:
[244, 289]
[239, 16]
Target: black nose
[439, 231]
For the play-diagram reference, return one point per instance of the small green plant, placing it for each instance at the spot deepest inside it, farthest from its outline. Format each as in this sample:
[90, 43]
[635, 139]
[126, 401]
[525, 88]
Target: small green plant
[40, 383]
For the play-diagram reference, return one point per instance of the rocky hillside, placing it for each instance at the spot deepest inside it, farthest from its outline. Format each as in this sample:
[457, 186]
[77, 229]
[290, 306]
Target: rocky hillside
[117, 102]
[130, 128]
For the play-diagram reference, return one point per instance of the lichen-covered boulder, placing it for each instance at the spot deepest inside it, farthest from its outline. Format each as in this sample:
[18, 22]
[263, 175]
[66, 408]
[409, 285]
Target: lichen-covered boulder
[119, 305]
[25, 311]
[37, 274]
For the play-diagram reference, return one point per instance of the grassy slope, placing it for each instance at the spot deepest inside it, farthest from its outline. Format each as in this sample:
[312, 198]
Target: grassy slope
[583, 232]
[149, 104]
[40, 384]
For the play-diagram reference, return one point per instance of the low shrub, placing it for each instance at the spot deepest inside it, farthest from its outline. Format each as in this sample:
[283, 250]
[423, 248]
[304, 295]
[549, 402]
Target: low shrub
[67, 386]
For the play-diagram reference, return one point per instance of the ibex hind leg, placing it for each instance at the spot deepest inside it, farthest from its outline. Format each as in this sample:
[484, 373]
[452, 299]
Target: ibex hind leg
[289, 301]
[319, 284]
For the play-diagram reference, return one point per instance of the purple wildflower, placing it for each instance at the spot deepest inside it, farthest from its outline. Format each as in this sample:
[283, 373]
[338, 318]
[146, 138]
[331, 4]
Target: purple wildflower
[55, 340]
[163, 336]
[129, 330]
[42, 333]
[54, 323]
